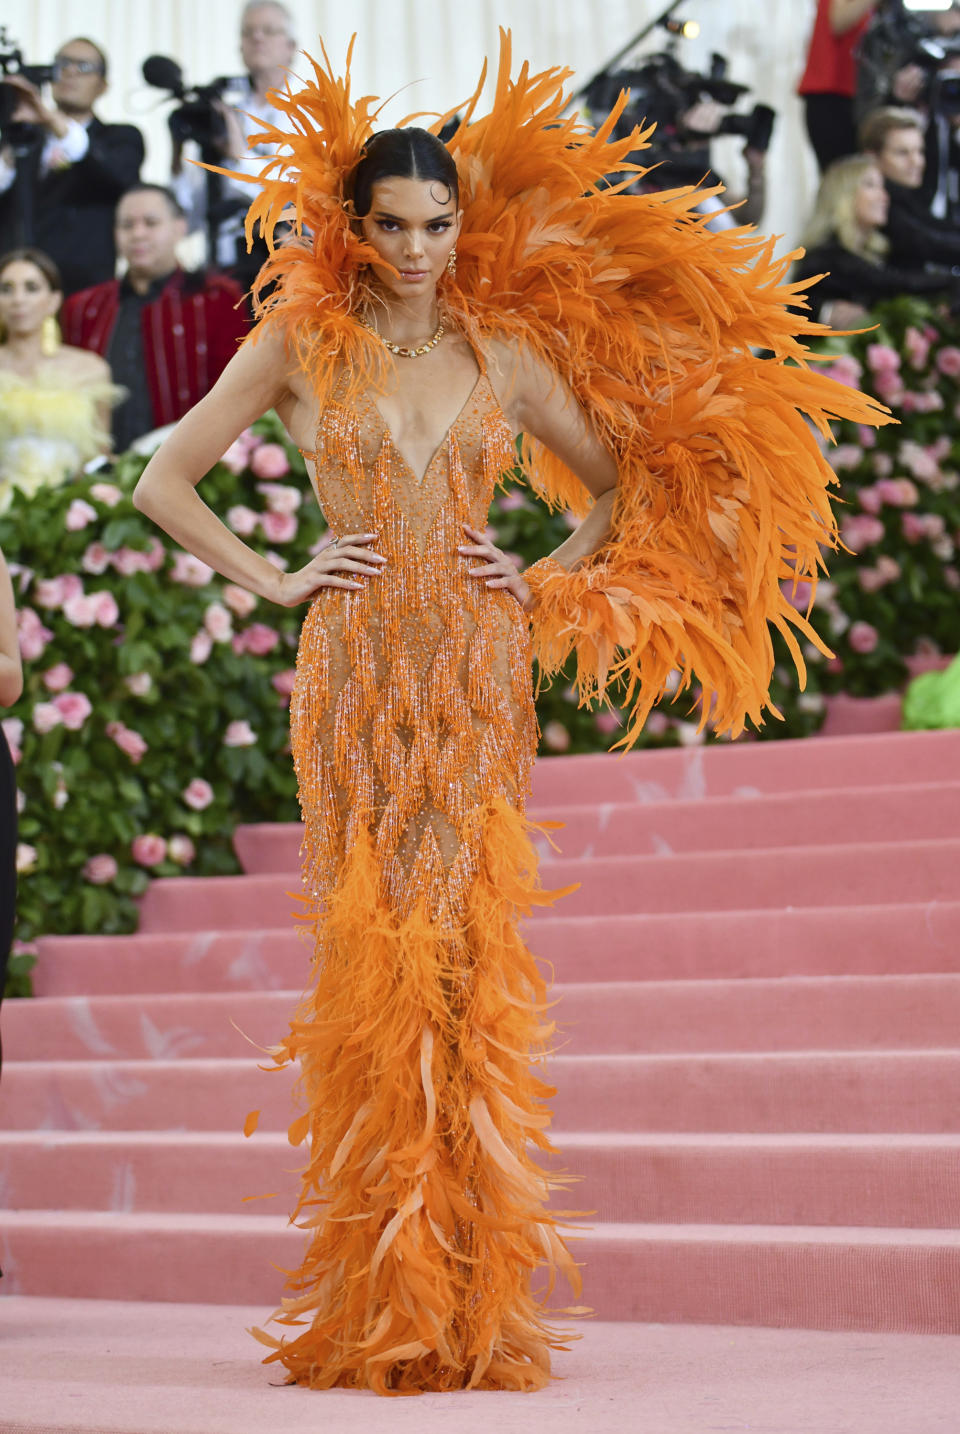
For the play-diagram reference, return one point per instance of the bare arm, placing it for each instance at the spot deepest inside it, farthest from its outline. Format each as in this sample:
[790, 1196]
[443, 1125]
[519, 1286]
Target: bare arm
[11, 672]
[844, 14]
[255, 380]
[537, 402]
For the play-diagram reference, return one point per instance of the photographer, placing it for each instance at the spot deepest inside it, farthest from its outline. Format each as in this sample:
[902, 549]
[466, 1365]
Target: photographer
[895, 137]
[267, 45]
[76, 167]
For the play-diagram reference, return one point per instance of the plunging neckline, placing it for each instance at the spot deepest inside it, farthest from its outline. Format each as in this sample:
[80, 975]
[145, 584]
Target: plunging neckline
[388, 434]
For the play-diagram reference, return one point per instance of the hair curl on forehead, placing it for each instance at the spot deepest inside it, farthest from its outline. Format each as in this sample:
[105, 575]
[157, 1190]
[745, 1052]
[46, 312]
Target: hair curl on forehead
[407, 153]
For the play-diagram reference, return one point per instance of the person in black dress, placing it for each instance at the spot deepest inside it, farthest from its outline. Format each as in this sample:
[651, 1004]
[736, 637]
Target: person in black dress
[11, 685]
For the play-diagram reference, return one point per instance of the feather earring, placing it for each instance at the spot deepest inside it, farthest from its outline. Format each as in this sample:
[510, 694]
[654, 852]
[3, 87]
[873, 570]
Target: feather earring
[49, 336]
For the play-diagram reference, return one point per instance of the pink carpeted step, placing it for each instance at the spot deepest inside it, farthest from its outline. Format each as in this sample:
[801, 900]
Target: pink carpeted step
[884, 873]
[806, 1276]
[881, 1180]
[896, 1091]
[745, 823]
[684, 945]
[798, 1013]
[719, 770]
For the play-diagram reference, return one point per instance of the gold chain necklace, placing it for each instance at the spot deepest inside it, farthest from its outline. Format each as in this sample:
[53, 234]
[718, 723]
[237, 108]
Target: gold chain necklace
[402, 352]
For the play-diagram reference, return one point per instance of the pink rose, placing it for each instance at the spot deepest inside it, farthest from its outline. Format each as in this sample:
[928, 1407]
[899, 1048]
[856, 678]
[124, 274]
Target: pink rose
[148, 849]
[79, 515]
[658, 722]
[797, 596]
[239, 734]
[217, 622]
[870, 499]
[128, 561]
[934, 526]
[96, 559]
[920, 462]
[882, 464]
[13, 730]
[129, 742]
[899, 492]
[860, 530]
[917, 346]
[948, 361]
[181, 849]
[276, 560]
[870, 580]
[235, 457]
[74, 709]
[883, 359]
[250, 440]
[238, 600]
[888, 387]
[105, 608]
[26, 858]
[512, 501]
[952, 578]
[867, 436]
[282, 682]
[607, 722]
[80, 611]
[281, 497]
[46, 716]
[862, 637]
[201, 647]
[269, 461]
[278, 527]
[556, 737]
[100, 869]
[139, 683]
[242, 520]
[49, 592]
[190, 570]
[846, 455]
[107, 493]
[156, 553]
[260, 639]
[913, 527]
[32, 635]
[198, 795]
[844, 369]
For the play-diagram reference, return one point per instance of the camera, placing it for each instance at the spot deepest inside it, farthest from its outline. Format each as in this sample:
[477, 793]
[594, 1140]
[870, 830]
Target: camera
[664, 91]
[896, 37]
[17, 132]
[197, 116]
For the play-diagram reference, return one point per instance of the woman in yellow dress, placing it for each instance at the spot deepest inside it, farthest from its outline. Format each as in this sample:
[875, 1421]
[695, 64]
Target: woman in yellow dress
[54, 399]
[448, 299]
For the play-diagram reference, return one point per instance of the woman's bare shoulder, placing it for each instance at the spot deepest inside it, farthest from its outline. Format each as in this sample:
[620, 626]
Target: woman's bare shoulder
[82, 366]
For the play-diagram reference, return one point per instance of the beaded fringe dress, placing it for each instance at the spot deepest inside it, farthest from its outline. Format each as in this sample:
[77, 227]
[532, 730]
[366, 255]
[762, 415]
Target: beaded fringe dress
[432, 1245]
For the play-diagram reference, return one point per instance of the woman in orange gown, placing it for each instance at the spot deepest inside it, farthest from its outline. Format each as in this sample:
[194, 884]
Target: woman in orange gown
[440, 301]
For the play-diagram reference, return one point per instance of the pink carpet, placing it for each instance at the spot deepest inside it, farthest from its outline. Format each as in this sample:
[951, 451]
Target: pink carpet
[757, 1083]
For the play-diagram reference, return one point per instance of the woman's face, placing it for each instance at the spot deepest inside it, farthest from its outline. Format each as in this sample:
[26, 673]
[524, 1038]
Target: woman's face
[872, 201]
[26, 298]
[413, 224]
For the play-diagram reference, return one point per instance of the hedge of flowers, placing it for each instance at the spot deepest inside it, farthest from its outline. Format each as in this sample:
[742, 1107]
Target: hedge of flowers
[154, 718]
[894, 598]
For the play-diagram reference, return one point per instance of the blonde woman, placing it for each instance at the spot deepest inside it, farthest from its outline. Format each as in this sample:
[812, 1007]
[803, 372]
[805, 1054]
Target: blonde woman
[844, 240]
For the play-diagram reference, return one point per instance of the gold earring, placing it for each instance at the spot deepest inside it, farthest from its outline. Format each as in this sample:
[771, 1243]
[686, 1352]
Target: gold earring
[49, 336]
[452, 263]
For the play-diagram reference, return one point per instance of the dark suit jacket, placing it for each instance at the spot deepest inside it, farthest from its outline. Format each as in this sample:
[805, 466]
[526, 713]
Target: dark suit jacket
[916, 237]
[74, 206]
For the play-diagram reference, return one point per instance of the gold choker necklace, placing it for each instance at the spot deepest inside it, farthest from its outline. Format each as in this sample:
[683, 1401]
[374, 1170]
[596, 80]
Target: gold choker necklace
[399, 350]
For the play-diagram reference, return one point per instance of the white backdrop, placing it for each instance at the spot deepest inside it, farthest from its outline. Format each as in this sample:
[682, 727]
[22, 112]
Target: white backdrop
[435, 47]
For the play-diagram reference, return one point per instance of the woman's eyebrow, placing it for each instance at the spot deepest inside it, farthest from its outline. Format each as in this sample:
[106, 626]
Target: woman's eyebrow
[384, 214]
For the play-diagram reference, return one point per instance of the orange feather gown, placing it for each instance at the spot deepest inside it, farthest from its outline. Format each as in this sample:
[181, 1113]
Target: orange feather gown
[420, 1037]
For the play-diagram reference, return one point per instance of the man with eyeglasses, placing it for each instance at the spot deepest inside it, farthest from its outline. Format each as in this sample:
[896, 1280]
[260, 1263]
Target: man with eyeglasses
[267, 47]
[77, 168]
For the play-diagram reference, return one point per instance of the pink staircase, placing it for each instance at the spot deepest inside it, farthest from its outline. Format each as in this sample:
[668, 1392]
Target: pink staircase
[758, 1082]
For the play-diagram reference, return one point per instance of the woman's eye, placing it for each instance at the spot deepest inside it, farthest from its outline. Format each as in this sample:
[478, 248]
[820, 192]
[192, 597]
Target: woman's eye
[439, 226]
[389, 225]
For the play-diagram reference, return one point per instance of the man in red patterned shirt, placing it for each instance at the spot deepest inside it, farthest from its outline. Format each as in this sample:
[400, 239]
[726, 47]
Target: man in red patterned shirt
[166, 333]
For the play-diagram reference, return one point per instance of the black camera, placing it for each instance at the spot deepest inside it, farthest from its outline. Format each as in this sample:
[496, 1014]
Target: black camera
[896, 38]
[17, 132]
[662, 90]
[197, 116]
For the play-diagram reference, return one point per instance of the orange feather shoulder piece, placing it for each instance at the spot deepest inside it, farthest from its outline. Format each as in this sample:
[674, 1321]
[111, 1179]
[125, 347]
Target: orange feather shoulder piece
[685, 346]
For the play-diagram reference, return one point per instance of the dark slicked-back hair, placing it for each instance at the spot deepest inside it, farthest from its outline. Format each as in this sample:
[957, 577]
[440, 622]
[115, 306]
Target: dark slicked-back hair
[407, 153]
[173, 202]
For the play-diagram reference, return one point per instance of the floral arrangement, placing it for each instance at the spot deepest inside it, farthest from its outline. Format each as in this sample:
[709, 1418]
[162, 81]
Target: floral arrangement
[154, 713]
[892, 603]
